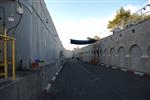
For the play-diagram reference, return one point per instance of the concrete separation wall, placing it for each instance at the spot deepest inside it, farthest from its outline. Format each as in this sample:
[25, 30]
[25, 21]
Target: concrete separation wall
[39, 51]
[34, 30]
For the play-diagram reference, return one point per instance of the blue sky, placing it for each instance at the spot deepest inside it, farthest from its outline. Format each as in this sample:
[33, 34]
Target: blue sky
[77, 9]
[79, 19]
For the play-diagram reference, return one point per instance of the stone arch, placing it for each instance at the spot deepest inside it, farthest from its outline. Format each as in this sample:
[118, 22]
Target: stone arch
[100, 52]
[148, 53]
[121, 57]
[112, 56]
[105, 56]
[97, 55]
[100, 55]
[135, 58]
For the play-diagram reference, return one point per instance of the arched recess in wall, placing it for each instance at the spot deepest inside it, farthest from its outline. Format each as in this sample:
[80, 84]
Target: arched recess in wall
[148, 51]
[97, 55]
[100, 56]
[112, 56]
[121, 57]
[149, 58]
[105, 56]
[135, 53]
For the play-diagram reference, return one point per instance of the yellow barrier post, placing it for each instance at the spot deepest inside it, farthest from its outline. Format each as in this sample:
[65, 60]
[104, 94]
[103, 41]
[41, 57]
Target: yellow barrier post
[5, 55]
[5, 63]
[13, 60]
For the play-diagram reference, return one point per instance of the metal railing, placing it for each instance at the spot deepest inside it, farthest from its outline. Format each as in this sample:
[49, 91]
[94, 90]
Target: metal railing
[5, 39]
[142, 14]
[139, 16]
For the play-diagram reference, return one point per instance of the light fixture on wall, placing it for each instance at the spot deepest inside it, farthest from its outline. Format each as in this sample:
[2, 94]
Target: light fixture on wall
[11, 18]
[19, 9]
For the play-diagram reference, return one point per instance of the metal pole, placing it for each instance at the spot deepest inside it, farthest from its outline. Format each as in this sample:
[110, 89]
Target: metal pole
[5, 55]
[13, 61]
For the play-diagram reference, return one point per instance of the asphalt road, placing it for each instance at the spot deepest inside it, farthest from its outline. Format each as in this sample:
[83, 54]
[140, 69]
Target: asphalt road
[82, 81]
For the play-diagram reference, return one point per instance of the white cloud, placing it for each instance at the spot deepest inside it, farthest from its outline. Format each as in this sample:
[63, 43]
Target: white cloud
[136, 9]
[132, 8]
[87, 27]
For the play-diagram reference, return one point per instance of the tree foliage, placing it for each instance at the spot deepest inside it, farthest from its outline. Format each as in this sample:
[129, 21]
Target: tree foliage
[94, 38]
[123, 17]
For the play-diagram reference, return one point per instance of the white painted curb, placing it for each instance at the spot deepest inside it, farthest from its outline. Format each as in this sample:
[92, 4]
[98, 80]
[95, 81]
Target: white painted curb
[139, 73]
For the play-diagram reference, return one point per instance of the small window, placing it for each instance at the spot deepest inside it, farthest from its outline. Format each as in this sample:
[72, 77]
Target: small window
[111, 38]
[120, 35]
[47, 21]
[133, 30]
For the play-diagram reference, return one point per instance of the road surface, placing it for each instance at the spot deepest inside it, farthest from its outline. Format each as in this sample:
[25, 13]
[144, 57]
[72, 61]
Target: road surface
[83, 81]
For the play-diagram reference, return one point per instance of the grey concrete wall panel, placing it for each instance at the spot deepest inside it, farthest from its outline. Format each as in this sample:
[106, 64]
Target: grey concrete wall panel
[38, 80]
[9, 91]
[130, 48]
[29, 85]
[36, 35]
[36, 38]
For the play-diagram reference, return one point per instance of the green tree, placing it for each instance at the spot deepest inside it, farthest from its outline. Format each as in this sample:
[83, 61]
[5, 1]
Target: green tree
[94, 38]
[121, 19]
[124, 17]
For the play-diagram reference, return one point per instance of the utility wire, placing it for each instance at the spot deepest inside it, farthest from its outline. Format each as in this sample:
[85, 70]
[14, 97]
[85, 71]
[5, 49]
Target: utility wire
[15, 27]
[18, 23]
